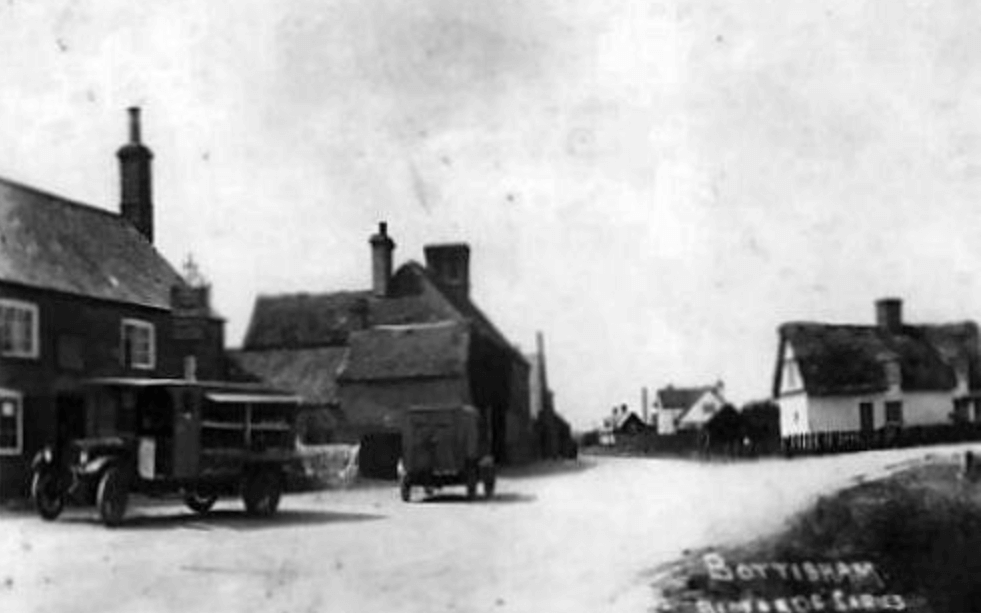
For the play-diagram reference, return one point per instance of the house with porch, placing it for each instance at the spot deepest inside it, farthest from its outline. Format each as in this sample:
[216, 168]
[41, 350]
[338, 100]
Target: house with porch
[860, 378]
[84, 293]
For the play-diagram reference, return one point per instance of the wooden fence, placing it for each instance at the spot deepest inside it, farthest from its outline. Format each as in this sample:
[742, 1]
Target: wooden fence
[817, 443]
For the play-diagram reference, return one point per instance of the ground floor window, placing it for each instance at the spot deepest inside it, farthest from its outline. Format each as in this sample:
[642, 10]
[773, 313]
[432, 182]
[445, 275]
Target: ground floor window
[894, 412]
[11, 422]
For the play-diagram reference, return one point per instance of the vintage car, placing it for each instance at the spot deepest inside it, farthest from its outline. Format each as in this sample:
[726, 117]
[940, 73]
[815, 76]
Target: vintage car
[163, 437]
[445, 445]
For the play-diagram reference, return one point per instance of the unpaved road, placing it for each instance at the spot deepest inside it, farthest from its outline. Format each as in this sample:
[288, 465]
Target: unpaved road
[563, 538]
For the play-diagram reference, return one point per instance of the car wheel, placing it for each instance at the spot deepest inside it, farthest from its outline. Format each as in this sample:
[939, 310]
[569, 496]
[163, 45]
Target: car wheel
[262, 491]
[200, 503]
[111, 497]
[48, 501]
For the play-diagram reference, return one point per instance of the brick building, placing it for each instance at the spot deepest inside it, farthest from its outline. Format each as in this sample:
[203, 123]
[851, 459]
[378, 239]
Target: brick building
[83, 294]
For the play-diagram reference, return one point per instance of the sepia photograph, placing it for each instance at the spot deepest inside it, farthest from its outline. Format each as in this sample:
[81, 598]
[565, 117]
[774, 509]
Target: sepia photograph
[635, 306]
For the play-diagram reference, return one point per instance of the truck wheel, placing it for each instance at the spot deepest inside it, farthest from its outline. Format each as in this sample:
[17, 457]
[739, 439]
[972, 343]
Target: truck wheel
[262, 491]
[472, 483]
[47, 499]
[111, 497]
[200, 503]
[489, 486]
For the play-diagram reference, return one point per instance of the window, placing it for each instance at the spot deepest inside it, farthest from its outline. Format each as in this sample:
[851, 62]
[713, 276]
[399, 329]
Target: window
[18, 329]
[139, 344]
[11, 423]
[894, 412]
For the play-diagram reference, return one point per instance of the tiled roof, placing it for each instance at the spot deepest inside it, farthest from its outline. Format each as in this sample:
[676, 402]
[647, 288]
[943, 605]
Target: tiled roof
[850, 359]
[52, 243]
[407, 352]
[309, 373]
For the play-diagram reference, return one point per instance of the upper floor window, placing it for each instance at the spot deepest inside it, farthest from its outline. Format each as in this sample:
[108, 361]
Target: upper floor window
[18, 329]
[11, 423]
[139, 344]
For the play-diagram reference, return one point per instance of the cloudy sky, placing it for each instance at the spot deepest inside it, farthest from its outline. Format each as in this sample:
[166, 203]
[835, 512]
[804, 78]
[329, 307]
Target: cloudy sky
[654, 185]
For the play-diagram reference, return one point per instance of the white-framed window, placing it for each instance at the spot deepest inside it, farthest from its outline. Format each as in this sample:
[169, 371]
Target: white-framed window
[11, 422]
[139, 344]
[19, 326]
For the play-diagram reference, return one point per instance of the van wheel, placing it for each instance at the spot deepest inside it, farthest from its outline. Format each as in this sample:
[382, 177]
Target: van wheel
[200, 503]
[406, 489]
[111, 497]
[262, 491]
[47, 499]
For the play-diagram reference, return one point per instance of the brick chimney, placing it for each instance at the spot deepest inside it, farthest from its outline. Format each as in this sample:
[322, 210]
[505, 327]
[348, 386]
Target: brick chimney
[136, 204]
[449, 263]
[382, 247]
[889, 314]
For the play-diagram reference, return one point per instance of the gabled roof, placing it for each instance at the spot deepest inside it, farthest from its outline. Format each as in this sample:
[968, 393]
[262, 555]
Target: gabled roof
[51, 243]
[835, 359]
[675, 398]
[309, 373]
[407, 352]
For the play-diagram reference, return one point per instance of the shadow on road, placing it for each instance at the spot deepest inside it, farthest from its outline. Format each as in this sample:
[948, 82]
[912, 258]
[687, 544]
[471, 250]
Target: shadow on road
[548, 468]
[501, 498]
[229, 519]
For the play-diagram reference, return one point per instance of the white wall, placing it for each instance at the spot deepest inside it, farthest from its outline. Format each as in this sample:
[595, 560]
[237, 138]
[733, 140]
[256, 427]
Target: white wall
[830, 413]
[666, 420]
[793, 414]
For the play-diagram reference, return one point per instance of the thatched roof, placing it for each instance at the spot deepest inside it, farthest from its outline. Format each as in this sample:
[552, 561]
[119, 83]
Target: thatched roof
[838, 359]
[309, 373]
[407, 352]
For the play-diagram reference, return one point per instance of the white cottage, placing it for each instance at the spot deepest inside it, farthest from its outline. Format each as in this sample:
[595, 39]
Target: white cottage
[835, 377]
[684, 408]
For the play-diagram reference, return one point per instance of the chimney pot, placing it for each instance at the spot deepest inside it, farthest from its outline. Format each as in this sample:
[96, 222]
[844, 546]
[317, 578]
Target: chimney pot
[382, 247]
[134, 124]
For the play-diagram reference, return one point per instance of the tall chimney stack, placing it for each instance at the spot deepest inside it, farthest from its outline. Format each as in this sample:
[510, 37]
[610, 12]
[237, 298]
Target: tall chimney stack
[889, 314]
[382, 247]
[449, 263]
[136, 202]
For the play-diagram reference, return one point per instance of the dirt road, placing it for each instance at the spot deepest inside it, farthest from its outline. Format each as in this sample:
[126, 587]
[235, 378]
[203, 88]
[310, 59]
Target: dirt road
[582, 538]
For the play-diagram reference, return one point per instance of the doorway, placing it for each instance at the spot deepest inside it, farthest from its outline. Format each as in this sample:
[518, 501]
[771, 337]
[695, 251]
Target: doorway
[70, 419]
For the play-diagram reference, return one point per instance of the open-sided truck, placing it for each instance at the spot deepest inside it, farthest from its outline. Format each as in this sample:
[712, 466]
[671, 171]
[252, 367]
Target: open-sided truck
[162, 437]
[445, 445]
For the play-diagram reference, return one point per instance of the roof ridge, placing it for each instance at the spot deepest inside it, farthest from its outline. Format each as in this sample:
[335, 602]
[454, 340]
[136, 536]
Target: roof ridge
[58, 197]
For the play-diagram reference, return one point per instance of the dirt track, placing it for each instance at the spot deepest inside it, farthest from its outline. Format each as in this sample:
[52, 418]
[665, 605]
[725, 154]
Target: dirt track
[583, 538]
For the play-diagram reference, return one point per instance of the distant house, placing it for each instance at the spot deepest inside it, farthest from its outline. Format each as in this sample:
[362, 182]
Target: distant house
[849, 377]
[629, 423]
[686, 408]
[290, 326]
[83, 294]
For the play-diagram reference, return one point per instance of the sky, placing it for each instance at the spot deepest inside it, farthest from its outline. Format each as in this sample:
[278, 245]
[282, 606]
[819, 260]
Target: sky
[655, 186]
